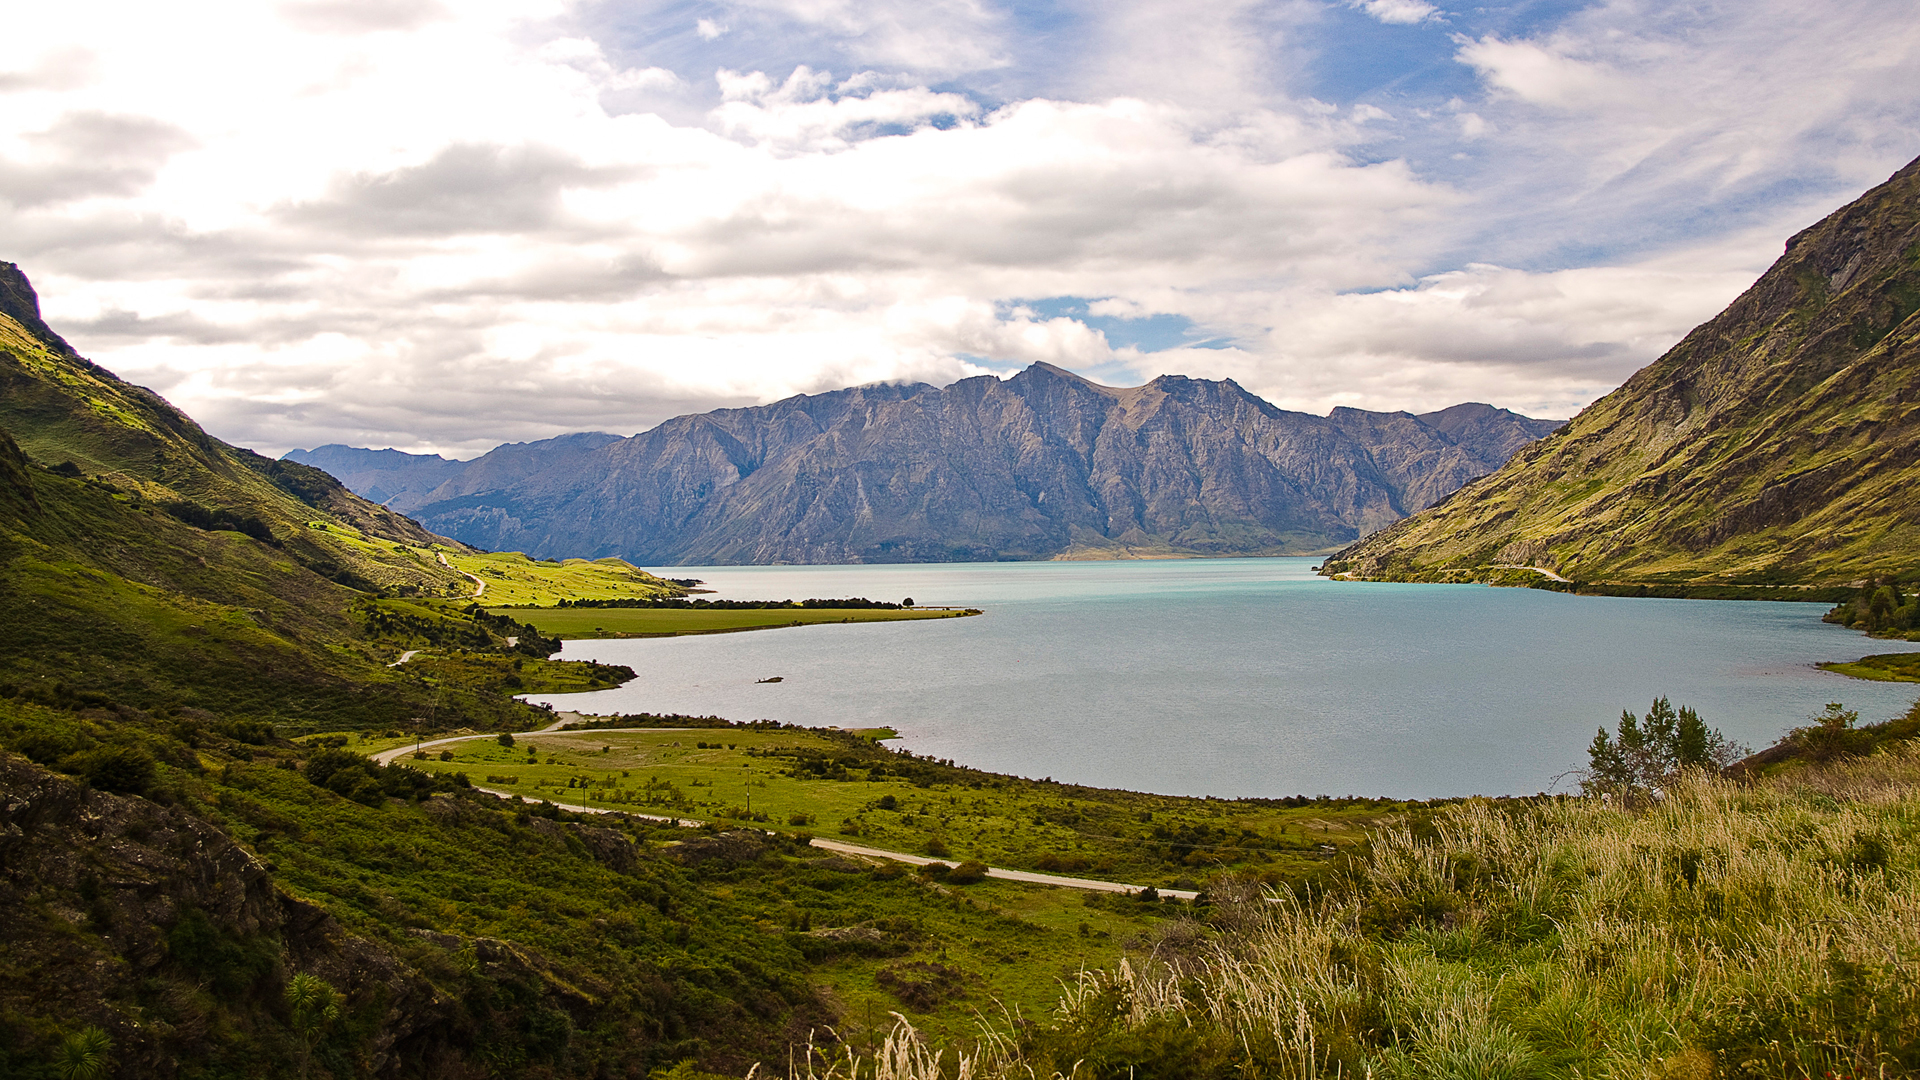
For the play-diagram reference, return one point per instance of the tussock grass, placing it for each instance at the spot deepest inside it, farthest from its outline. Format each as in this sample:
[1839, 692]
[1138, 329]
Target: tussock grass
[1766, 930]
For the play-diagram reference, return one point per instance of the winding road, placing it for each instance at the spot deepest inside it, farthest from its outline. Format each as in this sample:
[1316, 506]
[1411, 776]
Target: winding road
[388, 757]
[479, 586]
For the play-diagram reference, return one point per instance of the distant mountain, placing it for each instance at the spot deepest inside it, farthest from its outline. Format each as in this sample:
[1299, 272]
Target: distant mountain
[1043, 465]
[1776, 444]
[404, 481]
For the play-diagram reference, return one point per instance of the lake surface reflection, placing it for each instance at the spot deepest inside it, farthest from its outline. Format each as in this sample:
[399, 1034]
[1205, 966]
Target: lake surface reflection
[1245, 676]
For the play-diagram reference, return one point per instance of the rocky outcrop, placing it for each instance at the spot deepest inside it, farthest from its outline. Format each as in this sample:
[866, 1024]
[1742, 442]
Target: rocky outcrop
[1775, 445]
[1045, 464]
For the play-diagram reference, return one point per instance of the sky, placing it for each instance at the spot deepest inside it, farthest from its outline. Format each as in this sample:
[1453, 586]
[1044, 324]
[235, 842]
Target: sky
[440, 226]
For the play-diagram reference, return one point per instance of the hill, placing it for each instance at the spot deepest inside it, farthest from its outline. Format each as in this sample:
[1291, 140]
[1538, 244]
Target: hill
[1043, 465]
[1774, 445]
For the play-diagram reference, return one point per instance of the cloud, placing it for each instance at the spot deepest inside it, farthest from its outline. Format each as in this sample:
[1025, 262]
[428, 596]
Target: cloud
[86, 154]
[462, 189]
[708, 29]
[1397, 12]
[360, 16]
[66, 67]
[925, 36]
[446, 226]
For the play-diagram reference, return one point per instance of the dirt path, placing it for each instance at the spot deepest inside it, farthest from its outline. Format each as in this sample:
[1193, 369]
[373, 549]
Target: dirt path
[404, 657]
[479, 586]
[388, 757]
[1027, 876]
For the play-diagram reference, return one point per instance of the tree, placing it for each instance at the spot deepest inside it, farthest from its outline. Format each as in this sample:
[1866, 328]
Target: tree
[1644, 755]
[315, 1006]
[506, 740]
[1831, 733]
[84, 1055]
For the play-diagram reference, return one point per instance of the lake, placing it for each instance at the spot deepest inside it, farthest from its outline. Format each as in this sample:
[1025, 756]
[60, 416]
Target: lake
[1249, 677]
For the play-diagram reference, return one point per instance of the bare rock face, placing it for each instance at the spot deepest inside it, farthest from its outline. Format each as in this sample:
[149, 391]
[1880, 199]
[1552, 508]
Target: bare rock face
[1775, 445]
[1042, 465]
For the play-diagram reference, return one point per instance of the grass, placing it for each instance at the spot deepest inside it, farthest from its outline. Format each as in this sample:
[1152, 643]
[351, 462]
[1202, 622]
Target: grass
[1882, 667]
[576, 623]
[837, 785]
[1769, 930]
[513, 578]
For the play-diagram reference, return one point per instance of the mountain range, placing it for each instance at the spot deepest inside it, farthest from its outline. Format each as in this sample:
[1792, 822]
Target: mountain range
[1045, 464]
[1774, 445]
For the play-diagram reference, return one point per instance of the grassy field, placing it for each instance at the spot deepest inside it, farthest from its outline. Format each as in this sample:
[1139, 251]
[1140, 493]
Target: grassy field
[836, 785]
[576, 623]
[513, 578]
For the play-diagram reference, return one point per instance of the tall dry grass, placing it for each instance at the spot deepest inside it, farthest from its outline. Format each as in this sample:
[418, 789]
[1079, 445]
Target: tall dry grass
[1770, 930]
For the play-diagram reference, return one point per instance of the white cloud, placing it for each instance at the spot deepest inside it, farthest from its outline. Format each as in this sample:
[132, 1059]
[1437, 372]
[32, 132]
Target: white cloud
[1400, 12]
[708, 29]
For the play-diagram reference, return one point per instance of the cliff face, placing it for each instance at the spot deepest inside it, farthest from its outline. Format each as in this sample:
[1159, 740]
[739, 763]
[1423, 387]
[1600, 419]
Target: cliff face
[1045, 464]
[1775, 444]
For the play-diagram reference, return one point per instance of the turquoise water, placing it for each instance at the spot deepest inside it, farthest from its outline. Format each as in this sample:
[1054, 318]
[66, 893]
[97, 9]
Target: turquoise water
[1245, 676]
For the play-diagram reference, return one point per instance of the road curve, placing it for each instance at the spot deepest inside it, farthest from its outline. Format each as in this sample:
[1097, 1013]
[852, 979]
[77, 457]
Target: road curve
[479, 586]
[388, 757]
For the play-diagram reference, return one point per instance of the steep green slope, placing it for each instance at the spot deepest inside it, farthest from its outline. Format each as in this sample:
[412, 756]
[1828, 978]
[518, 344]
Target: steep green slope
[1775, 445]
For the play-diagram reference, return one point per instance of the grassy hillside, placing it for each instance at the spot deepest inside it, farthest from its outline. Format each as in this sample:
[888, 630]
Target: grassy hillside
[510, 577]
[1763, 930]
[1774, 446]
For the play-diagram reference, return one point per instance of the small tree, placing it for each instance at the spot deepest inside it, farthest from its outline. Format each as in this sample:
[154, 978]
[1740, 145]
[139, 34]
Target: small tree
[1831, 733]
[1646, 754]
[506, 740]
[315, 1006]
[84, 1055]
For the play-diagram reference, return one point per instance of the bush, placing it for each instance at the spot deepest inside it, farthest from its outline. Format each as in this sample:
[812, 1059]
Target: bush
[124, 770]
[967, 873]
[1832, 734]
[506, 740]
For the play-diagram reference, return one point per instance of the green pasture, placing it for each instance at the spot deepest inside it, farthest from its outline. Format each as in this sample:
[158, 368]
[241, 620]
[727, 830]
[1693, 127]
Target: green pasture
[666, 622]
[513, 578]
[835, 785]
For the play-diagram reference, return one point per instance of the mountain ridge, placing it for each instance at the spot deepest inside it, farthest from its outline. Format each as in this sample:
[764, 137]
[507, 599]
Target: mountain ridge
[1045, 464]
[1773, 445]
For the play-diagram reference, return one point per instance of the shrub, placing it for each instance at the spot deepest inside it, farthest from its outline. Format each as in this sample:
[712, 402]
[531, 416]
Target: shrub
[506, 740]
[124, 770]
[967, 873]
[1831, 734]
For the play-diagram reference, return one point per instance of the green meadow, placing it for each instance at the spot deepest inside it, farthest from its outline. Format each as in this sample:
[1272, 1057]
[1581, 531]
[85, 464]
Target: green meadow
[513, 578]
[841, 785]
